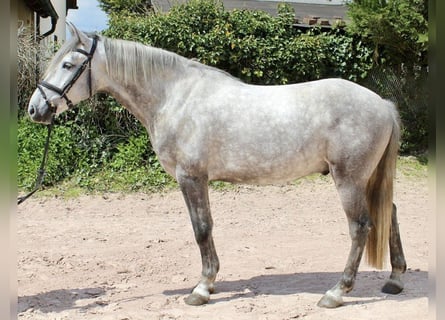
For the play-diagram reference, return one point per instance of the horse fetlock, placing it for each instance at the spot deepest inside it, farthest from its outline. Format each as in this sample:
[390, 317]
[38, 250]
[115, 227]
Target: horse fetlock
[398, 266]
[347, 283]
[211, 288]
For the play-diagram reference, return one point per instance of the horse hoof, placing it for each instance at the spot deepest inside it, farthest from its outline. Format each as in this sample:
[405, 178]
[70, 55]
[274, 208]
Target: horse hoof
[330, 301]
[196, 300]
[393, 286]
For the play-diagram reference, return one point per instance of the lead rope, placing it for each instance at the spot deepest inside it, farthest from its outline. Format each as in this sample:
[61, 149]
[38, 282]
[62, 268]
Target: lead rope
[41, 172]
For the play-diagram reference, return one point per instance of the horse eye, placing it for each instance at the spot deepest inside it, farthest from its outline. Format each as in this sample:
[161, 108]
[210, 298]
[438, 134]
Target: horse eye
[67, 65]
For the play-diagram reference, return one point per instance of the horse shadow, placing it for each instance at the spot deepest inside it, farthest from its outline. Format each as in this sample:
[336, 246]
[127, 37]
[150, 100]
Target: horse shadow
[67, 299]
[367, 286]
[60, 300]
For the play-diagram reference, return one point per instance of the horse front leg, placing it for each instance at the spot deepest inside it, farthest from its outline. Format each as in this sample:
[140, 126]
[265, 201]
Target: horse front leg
[195, 191]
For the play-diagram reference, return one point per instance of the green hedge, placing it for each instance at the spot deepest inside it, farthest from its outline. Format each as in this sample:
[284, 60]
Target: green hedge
[31, 141]
[252, 45]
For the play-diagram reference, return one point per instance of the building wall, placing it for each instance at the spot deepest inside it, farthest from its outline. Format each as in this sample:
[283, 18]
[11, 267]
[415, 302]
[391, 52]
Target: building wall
[59, 34]
[25, 16]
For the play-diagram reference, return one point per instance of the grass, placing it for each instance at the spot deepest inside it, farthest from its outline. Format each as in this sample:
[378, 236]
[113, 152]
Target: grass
[106, 182]
[412, 167]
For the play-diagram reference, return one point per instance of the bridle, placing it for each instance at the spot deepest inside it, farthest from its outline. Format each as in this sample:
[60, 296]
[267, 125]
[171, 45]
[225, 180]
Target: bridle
[63, 91]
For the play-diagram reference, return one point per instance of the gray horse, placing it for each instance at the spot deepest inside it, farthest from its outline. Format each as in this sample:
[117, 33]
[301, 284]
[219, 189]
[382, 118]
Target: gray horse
[205, 125]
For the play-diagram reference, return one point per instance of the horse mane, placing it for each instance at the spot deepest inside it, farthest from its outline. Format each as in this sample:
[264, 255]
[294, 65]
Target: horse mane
[129, 61]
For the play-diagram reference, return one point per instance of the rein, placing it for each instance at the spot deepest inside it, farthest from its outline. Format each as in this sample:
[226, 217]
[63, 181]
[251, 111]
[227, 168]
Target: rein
[41, 172]
[63, 93]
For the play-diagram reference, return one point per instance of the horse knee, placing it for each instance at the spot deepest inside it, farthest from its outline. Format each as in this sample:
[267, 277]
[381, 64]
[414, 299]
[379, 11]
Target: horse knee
[202, 230]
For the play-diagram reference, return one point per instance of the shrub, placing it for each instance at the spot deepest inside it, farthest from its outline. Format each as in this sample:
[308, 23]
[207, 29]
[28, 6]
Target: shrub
[31, 140]
[252, 45]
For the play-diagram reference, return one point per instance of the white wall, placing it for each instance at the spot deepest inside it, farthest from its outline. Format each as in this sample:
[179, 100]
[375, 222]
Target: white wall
[45, 23]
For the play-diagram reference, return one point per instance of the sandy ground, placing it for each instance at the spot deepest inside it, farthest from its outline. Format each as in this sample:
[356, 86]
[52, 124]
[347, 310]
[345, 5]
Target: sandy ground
[133, 256]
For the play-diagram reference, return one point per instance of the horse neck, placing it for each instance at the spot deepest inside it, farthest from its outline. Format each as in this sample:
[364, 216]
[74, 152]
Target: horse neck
[139, 77]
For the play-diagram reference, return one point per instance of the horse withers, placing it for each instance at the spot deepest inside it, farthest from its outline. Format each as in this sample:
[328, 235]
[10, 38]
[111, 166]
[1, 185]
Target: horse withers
[206, 125]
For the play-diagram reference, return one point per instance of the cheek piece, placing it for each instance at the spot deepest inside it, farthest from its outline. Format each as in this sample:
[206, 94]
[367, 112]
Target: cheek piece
[63, 91]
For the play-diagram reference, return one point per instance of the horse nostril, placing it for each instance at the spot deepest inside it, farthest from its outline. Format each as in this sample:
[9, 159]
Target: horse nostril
[31, 110]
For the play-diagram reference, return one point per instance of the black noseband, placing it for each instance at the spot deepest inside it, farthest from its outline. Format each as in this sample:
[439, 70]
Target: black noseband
[63, 91]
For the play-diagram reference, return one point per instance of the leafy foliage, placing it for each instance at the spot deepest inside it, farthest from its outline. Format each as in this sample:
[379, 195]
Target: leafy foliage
[252, 45]
[124, 7]
[31, 141]
[398, 29]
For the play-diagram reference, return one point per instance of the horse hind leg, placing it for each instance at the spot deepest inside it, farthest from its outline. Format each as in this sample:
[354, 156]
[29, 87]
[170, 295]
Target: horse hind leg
[195, 192]
[354, 203]
[395, 285]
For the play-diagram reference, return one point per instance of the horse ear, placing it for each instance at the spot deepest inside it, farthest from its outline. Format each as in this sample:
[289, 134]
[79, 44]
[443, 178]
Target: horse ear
[83, 38]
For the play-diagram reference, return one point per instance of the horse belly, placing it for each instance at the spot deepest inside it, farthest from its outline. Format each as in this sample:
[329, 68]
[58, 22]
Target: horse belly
[251, 166]
[262, 175]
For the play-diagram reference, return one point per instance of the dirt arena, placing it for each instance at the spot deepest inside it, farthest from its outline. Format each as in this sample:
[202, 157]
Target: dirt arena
[133, 256]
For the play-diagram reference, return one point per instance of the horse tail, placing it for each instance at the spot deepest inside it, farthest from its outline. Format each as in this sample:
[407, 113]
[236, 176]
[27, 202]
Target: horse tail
[379, 196]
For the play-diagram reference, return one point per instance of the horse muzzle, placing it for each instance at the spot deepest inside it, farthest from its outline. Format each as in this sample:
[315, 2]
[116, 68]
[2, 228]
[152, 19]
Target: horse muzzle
[42, 114]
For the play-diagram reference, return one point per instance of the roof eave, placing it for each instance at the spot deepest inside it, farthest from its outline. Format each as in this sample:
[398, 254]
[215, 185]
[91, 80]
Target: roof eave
[43, 8]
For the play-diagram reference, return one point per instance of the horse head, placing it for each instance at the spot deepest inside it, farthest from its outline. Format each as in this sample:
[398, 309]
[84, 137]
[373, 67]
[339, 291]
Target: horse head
[65, 83]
